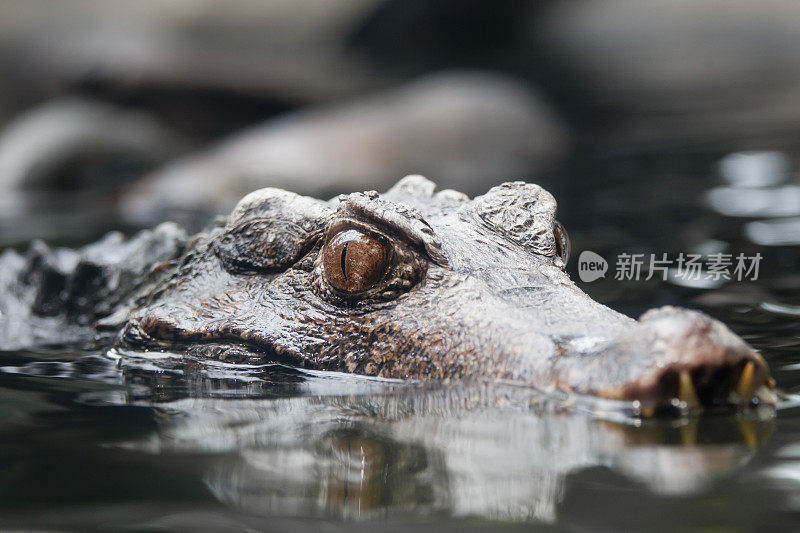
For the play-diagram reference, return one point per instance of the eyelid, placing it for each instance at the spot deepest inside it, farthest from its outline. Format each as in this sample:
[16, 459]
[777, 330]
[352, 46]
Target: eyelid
[343, 224]
[398, 219]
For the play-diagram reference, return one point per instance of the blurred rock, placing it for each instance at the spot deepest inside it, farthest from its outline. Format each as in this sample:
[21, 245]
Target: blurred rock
[74, 144]
[466, 130]
[276, 47]
[636, 75]
[690, 74]
[63, 163]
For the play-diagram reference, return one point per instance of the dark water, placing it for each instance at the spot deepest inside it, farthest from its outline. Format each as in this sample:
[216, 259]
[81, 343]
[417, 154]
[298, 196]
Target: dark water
[92, 440]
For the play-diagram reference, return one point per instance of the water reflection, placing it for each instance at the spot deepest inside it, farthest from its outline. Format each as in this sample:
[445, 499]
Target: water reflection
[754, 168]
[351, 470]
[759, 185]
[278, 442]
[295, 444]
[359, 456]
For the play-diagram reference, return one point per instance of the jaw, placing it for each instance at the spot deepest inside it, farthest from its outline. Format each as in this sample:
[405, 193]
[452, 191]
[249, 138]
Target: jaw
[673, 360]
[223, 342]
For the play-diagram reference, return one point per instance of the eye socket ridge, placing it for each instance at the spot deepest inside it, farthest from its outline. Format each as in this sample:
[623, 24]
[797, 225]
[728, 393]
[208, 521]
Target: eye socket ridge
[263, 246]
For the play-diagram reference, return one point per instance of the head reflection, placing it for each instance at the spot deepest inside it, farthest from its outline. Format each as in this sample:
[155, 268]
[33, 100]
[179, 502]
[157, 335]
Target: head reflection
[286, 443]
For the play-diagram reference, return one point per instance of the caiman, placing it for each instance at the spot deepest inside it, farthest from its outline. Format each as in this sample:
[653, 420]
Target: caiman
[412, 284]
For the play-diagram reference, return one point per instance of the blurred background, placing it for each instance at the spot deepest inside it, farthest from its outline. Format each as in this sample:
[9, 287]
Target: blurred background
[660, 127]
[121, 114]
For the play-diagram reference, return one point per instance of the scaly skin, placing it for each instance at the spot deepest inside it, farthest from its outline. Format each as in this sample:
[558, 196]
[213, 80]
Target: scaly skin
[475, 290]
[411, 284]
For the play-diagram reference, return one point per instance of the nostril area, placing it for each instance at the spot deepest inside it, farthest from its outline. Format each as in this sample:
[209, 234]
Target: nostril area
[698, 362]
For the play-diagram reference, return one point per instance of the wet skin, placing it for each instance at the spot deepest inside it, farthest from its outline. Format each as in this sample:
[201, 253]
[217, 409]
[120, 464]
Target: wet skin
[423, 285]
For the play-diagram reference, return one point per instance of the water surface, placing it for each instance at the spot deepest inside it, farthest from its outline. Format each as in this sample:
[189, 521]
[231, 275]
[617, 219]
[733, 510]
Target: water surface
[93, 440]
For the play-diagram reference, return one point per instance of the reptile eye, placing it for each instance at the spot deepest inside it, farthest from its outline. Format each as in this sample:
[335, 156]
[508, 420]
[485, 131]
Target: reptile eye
[562, 241]
[355, 261]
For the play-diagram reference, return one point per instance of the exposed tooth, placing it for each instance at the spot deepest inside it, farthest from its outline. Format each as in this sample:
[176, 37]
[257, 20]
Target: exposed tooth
[686, 390]
[746, 383]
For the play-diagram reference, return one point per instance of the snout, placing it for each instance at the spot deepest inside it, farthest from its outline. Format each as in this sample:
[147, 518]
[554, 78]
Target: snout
[677, 358]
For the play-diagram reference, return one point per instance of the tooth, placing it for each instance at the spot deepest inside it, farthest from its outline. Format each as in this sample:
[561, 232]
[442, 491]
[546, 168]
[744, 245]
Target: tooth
[746, 383]
[686, 390]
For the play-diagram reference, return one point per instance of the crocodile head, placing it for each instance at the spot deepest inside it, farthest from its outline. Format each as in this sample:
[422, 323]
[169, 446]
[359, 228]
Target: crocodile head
[418, 284]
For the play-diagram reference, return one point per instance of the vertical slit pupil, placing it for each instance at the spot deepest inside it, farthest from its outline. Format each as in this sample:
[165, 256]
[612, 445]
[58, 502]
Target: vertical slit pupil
[343, 260]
